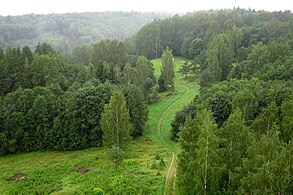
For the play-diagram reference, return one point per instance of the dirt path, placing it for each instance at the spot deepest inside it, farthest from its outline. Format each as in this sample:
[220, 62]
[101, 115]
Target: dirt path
[171, 169]
[169, 173]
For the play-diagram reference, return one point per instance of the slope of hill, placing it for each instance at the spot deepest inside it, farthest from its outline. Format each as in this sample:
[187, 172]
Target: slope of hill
[65, 31]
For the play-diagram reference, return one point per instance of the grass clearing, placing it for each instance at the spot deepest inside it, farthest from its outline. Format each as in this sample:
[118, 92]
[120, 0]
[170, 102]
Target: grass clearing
[54, 172]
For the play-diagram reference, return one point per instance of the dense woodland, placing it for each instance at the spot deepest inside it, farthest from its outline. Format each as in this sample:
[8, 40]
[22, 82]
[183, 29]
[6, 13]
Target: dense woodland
[67, 31]
[235, 137]
[49, 102]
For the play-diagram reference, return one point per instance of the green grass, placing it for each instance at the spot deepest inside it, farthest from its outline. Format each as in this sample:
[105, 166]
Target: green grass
[53, 172]
[166, 109]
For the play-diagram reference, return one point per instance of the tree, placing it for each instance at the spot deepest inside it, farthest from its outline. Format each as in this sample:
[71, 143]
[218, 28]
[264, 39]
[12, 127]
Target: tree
[44, 48]
[219, 56]
[185, 68]
[186, 170]
[115, 122]
[137, 108]
[235, 142]
[180, 118]
[287, 122]
[220, 106]
[116, 155]
[247, 102]
[128, 74]
[255, 169]
[258, 57]
[266, 121]
[143, 73]
[199, 161]
[207, 159]
[167, 72]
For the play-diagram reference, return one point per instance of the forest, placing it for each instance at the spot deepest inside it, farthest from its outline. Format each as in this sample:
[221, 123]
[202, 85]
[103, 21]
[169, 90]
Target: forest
[234, 137]
[67, 31]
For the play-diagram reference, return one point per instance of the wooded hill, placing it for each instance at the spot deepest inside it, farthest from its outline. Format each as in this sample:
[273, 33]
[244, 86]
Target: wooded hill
[66, 31]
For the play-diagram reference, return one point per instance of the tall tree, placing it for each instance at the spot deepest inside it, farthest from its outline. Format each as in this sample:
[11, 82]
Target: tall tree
[115, 122]
[136, 106]
[235, 142]
[219, 56]
[199, 161]
[207, 160]
[167, 72]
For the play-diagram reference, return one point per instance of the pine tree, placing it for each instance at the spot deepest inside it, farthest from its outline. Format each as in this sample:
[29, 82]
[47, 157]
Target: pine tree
[115, 122]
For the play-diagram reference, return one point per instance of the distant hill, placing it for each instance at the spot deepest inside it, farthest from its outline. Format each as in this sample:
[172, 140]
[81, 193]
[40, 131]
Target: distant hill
[66, 31]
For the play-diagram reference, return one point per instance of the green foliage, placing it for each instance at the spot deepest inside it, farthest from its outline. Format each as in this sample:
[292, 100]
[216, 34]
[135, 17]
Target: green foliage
[116, 154]
[138, 110]
[115, 122]
[180, 119]
[220, 106]
[185, 68]
[219, 57]
[267, 120]
[66, 31]
[199, 161]
[258, 57]
[166, 79]
[287, 122]
[235, 140]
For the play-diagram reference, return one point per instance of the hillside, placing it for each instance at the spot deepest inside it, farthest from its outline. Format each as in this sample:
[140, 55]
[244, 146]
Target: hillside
[66, 31]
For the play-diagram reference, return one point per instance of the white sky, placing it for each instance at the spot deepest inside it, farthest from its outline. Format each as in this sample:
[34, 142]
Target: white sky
[20, 7]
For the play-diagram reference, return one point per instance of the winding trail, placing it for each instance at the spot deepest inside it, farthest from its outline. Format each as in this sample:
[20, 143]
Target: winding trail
[171, 169]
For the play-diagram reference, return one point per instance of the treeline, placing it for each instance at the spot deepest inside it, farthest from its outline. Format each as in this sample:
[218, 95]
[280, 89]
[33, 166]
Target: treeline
[190, 35]
[67, 31]
[236, 136]
[51, 101]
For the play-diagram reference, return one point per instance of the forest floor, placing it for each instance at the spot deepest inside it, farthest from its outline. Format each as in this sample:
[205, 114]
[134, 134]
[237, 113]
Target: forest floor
[91, 172]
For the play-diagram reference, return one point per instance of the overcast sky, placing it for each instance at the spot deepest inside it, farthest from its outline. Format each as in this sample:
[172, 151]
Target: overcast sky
[20, 7]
